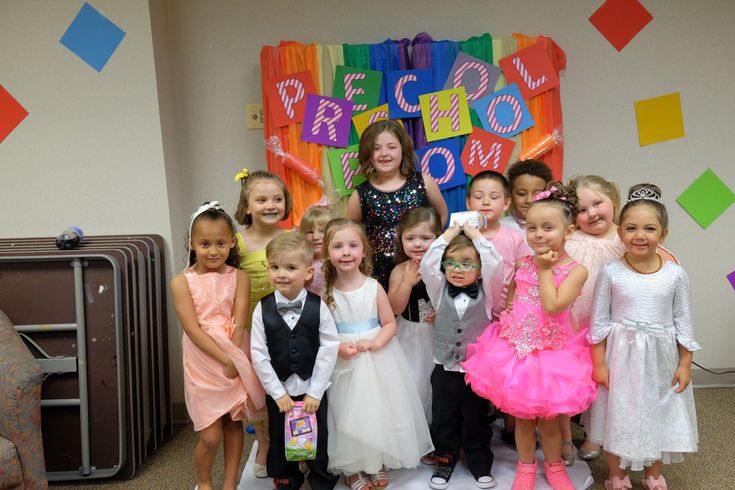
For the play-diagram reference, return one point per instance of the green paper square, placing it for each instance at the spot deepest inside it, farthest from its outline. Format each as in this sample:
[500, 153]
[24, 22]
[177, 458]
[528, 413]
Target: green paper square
[369, 86]
[335, 165]
[706, 199]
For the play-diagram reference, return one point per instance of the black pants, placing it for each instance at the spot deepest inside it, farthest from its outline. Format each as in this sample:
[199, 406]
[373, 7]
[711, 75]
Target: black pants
[459, 421]
[287, 473]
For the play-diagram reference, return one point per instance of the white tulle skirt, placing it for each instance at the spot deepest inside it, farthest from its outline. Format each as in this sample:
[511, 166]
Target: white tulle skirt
[417, 342]
[376, 419]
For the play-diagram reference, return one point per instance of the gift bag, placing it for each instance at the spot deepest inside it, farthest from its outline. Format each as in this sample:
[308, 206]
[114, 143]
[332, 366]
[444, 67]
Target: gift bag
[300, 434]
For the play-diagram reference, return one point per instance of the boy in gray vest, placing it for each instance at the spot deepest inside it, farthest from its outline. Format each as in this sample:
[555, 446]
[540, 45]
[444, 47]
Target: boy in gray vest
[294, 345]
[463, 273]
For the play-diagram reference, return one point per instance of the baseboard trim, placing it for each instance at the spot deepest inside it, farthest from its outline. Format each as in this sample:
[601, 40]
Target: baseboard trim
[703, 379]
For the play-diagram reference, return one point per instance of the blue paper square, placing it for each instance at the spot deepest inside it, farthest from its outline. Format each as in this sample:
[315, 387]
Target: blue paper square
[443, 160]
[504, 112]
[403, 90]
[92, 37]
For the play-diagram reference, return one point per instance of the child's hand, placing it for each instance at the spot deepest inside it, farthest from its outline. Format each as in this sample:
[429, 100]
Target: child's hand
[429, 318]
[601, 375]
[547, 259]
[452, 232]
[363, 345]
[471, 231]
[411, 274]
[682, 376]
[285, 403]
[229, 369]
[311, 405]
[347, 350]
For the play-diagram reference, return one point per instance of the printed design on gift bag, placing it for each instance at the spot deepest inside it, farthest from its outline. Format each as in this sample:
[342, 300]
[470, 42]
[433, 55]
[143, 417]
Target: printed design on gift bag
[300, 434]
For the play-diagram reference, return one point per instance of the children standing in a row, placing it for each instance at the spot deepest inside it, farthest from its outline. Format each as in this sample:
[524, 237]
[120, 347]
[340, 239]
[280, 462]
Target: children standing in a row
[388, 160]
[531, 364]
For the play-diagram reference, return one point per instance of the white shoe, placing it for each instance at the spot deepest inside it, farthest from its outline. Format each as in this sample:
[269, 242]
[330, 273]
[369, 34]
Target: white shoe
[260, 470]
[486, 481]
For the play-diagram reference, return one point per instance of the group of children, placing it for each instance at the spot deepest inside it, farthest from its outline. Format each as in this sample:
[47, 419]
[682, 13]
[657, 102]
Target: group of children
[558, 309]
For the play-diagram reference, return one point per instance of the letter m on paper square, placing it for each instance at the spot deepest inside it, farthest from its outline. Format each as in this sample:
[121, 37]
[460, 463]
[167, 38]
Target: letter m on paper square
[486, 151]
[445, 114]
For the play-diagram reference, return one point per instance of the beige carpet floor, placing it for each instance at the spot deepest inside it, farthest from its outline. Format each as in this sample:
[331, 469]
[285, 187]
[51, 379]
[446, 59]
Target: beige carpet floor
[713, 467]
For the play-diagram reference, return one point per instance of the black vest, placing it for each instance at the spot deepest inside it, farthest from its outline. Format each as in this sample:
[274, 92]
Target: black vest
[292, 351]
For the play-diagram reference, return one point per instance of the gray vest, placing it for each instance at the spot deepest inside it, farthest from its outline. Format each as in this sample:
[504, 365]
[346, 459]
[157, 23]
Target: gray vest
[451, 335]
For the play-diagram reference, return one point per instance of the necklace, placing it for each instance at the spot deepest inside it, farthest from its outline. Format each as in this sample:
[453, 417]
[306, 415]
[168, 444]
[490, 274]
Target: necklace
[660, 264]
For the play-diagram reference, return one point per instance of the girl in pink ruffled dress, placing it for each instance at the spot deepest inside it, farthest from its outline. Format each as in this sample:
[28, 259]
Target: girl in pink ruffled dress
[220, 384]
[531, 363]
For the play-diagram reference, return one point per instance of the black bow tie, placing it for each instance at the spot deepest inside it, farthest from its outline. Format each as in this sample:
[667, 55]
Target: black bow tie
[292, 306]
[470, 290]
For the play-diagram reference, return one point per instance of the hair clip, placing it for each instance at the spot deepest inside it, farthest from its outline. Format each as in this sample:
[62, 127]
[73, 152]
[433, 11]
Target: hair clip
[645, 193]
[242, 175]
[547, 194]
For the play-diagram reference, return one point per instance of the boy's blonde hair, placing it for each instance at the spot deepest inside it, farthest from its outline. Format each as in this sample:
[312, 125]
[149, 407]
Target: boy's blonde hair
[330, 272]
[290, 241]
[601, 185]
[247, 182]
[315, 216]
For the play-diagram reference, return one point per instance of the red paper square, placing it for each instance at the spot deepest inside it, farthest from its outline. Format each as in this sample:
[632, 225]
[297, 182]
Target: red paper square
[620, 21]
[11, 113]
[531, 69]
[287, 97]
[486, 151]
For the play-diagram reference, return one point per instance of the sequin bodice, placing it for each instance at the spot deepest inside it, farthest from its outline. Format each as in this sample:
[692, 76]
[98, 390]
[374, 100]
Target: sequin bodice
[381, 210]
[527, 327]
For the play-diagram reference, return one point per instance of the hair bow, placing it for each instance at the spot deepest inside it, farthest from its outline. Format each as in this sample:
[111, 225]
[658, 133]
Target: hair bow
[242, 175]
[545, 194]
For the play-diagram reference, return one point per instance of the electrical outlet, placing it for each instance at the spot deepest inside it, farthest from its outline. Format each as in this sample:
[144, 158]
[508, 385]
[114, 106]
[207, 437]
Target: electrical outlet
[255, 116]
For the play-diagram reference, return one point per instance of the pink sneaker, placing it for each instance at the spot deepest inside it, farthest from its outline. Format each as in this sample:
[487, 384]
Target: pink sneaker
[556, 474]
[652, 483]
[525, 476]
[616, 483]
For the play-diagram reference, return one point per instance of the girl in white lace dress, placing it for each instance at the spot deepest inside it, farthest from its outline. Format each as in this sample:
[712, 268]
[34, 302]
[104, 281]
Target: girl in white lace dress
[643, 342]
[375, 419]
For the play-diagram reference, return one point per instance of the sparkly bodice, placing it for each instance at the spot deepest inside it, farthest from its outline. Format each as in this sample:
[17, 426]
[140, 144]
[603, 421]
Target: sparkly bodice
[381, 210]
[526, 326]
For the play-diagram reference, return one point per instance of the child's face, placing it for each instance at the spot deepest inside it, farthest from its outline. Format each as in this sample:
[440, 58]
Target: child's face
[525, 188]
[488, 197]
[288, 272]
[266, 203]
[461, 267]
[596, 212]
[546, 228]
[211, 241]
[387, 154]
[416, 240]
[346, 250]
[316, 237]
[641, 232]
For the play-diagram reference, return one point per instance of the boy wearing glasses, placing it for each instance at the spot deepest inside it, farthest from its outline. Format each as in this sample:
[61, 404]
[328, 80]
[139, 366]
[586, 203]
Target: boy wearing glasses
[463, 274]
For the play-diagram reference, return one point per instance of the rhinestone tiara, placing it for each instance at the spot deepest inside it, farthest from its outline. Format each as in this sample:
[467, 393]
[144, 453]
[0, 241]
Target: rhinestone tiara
[646, 193]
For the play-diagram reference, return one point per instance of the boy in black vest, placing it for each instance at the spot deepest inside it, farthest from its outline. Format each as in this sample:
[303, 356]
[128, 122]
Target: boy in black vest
[451, 270]
[294, 345]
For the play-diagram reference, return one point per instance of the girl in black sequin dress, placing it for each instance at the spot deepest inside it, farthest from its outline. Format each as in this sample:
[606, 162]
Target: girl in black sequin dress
[394, 186]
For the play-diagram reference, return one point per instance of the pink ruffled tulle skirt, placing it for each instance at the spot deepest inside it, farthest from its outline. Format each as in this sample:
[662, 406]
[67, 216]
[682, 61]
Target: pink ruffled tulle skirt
[543, 384]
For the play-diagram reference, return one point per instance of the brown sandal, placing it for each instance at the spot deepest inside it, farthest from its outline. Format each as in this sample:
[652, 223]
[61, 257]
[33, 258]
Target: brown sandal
[376, 478]
[361, 481]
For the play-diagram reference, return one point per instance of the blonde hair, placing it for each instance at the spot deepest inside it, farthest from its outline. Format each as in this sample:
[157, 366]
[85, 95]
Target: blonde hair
[290, 241]
[412, 218]
[241, 215]
[601, 185]
[315, 216]
[367, 144]
[330, 272]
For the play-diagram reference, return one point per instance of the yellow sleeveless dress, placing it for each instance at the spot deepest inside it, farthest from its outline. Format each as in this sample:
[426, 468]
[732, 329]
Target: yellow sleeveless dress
[255, 264]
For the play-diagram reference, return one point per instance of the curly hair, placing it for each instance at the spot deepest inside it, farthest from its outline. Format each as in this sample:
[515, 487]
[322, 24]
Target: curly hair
[330, 272]
[529, 167]
[563, 197]
[241, 215]
[367, 145]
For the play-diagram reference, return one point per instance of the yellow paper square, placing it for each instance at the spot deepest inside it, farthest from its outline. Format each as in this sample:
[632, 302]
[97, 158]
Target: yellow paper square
[659, 119]
[451, 106]
[366, 118]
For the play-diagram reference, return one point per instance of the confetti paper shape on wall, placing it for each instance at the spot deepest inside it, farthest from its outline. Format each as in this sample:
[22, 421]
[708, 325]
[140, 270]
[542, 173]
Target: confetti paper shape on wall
[93, 37]
[659, 119]
[707, 198]
[731, 278]
[11, 113]
[619, 21]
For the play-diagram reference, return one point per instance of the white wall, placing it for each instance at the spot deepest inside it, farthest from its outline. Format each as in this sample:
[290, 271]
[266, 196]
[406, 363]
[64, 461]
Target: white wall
[162, 128]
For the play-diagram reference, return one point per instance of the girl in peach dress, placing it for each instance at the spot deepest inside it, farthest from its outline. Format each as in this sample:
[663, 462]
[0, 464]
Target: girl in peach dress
[220, 385]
